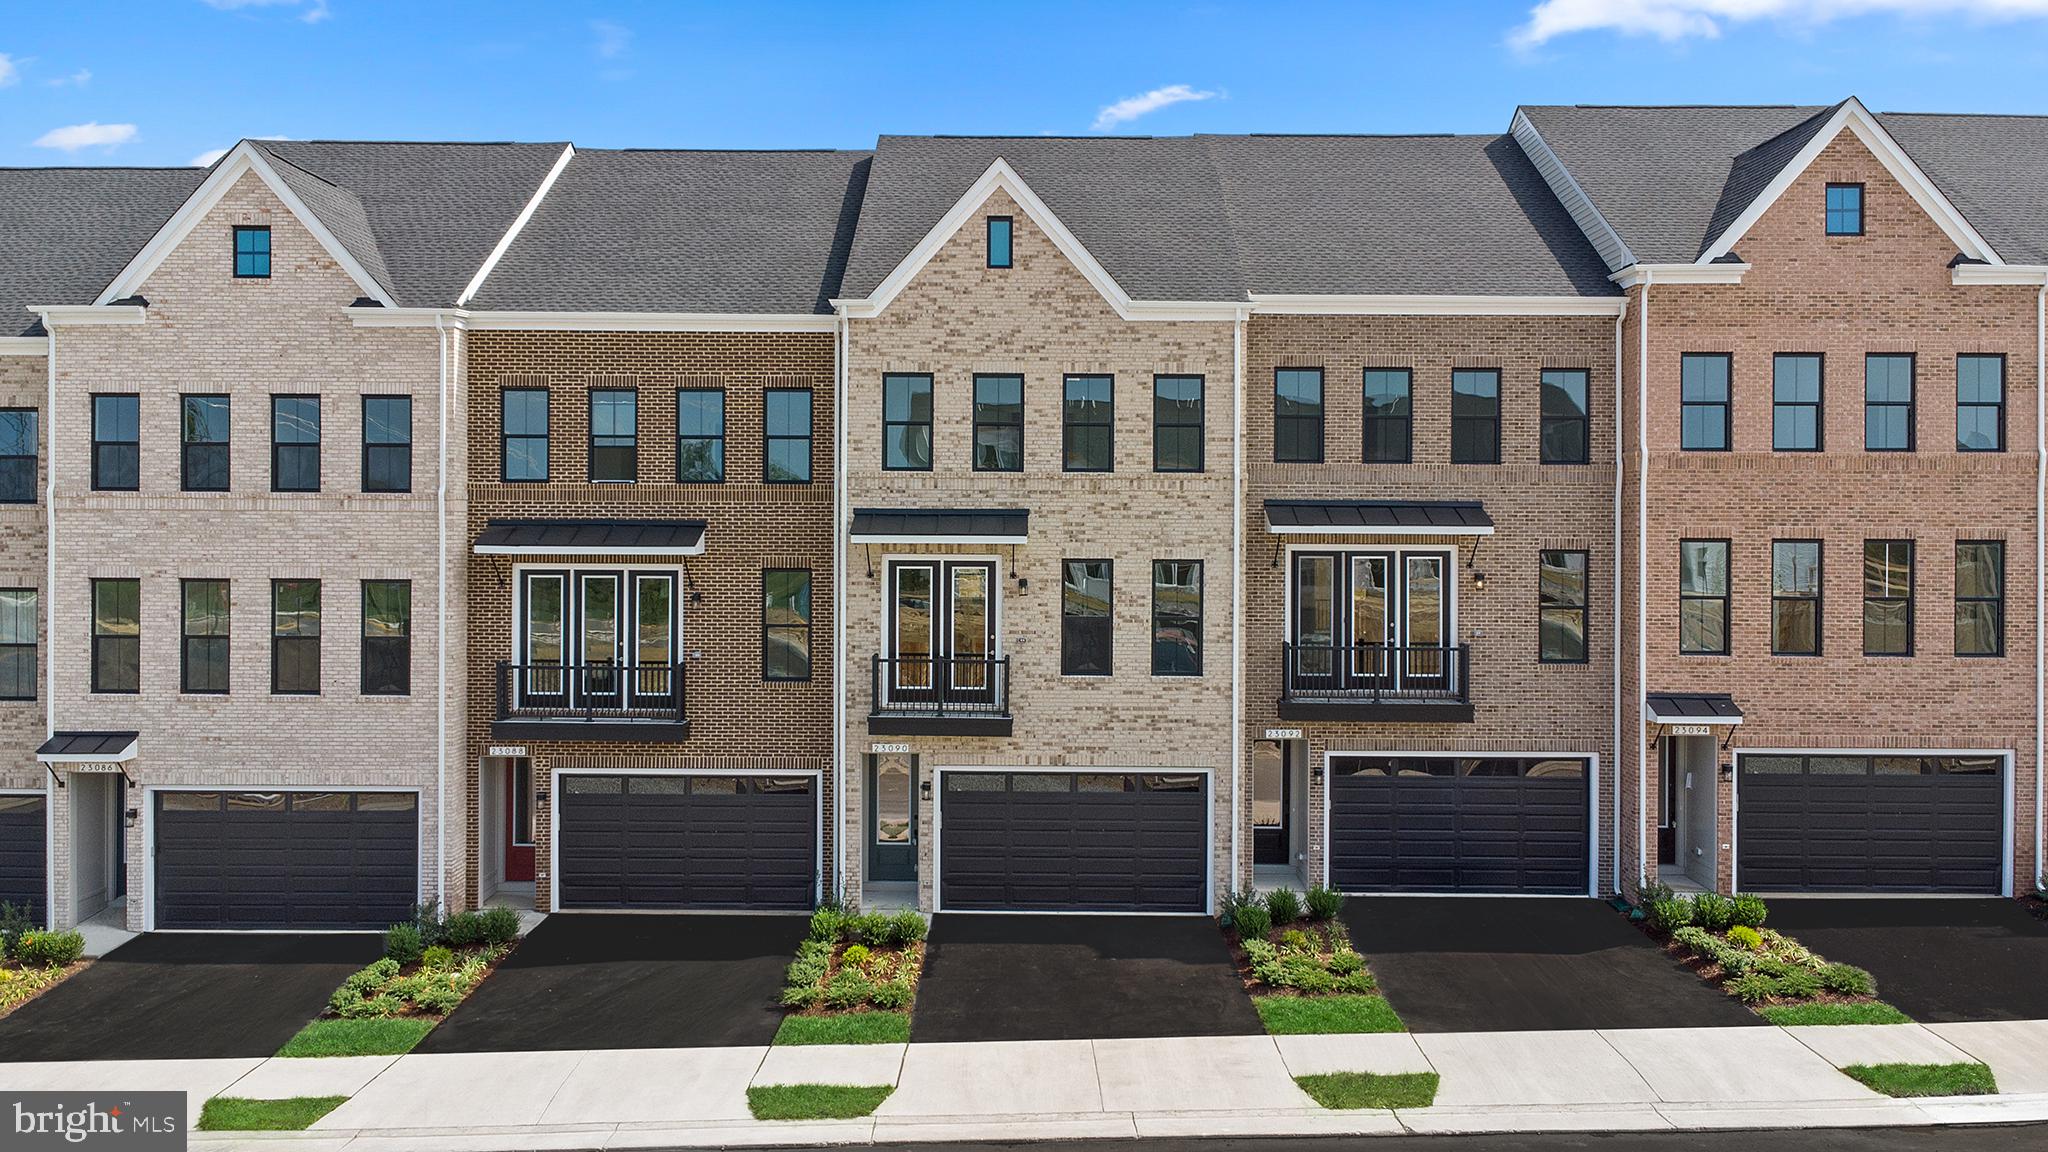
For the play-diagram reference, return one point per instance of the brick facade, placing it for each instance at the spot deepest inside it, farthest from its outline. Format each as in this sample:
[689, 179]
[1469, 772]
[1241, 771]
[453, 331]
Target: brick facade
[23, 564]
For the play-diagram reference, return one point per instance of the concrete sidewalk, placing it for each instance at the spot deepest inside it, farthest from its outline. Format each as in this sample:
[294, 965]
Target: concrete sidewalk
[1195, 1086]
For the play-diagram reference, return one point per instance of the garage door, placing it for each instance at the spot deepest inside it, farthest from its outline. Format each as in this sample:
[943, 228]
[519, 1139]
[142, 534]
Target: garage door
[1059, 841]
[675, 842]
[1444, 824]
[1852, 823]
[22, 840]
[313, 860]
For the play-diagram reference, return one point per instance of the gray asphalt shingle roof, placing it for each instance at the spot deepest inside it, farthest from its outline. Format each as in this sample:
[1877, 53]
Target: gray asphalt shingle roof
[685, 231]
[1994, 169]
[66, 232]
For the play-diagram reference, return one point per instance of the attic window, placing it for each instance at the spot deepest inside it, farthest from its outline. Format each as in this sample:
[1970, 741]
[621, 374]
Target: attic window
[252, 253]
[999, 241]
[1845, 210]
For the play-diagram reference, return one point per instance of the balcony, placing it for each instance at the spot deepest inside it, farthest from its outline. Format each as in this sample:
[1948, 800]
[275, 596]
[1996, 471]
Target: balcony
[601, 701]
[1375, 682]
[940, 696]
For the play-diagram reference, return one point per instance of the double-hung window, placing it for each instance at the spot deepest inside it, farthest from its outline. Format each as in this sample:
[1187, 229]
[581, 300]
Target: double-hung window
[295, 637]
[1475, 416]
[1298, 416]
[700, 436]
[204, 436]
[786, 624]
[1796, 402]
[252, 252]
[1086, 440]
[998, 423]
[1177, 424]
[1703, 401]
[116, 442]
[17, 643]
[1980, 403]
[907, 422]
[1980, 598]
[387, 443]
[1566, 424]
[295, 443]
[1176, 617]
[1085, 618]
[117, 636]
[1888, 403]
[1561, 607]
[387, 637]
[1703, 597]
[1795, 597]
[525, 428]
[1887, 597]
[614, 435]
[203, 660]
[1389, 415]
[788, 448]
[17, 455]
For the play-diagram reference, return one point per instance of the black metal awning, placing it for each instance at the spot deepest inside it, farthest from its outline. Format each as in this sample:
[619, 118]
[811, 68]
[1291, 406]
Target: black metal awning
[941, 525]
[1378, 518]
[88, 748]
[1694, 708]
[591, 538]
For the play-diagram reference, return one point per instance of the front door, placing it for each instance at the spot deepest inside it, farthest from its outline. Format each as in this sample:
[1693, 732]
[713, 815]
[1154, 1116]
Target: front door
[1270, 802]
[1667, 808]
[519, 820]
[892, 817]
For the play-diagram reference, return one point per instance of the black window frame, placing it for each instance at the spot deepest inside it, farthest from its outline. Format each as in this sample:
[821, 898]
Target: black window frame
[220, 451]
[1161, 407]
[591, 438]
[1818, 598]
[1818, 405]
[1009, 230]
[1468, 420]
[1911, 405]
[1998, 405]
[101, 641]
[1197, 618]
[507, 437]
[769, 437]
[1907, 600]
[386, 449]
[974, 446]
[279, 640]
[1997, 601]
[717, 441]
[32, 645]
[1726, 403]
[241, 230]
[208, 642]
[1320, 420]
[34, 456]
[1827, 211]
[808, 626]
[296, 449]
[104, 446]
[1546, 606]
[892, 428]
[401, 643]
[1547, 421]
[1370, 421]
[1069, 621]
[1726, 598]
[1069, 425]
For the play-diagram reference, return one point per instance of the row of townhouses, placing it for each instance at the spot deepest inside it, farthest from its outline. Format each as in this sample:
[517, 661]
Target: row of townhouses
[1638, 495]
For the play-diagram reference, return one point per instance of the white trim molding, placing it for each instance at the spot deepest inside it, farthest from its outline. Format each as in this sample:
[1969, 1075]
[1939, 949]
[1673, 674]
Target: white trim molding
[1304, 304]
[504, 243]
[1613, 250]
[1727, 272]
[2030, 275]
[80, 314]
[593, 321]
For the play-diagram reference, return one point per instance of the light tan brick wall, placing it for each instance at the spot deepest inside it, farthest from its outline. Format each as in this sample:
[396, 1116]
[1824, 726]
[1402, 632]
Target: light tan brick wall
[1042, 319]
[24, 384]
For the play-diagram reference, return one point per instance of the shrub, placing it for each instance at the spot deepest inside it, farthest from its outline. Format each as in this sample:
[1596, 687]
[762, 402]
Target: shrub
[1746, 936]
[1283, 905]
[892, 994]
[427, 919]
[1253, 922]
[370, 1006]
[827, 924]
[1847, 980]
[1344, 962]
[1750, 911]
[1324, 903]
[1753, 988]
[1304, 974]
[1649, 894]
[1360, 981]
[1260, 951]
[1713, 911]
[439, 958]
[1696, 940]
[439, 998]
[469, 929]
[1295, 940]
[48, 949]
[802, 996]
[869, 928]
[1799, 984]
[906, 928]
[1669, 914]
[14, 924]
[855, 955]
[1231, 903]
[402, 943]
[849, 988]
[500, 925]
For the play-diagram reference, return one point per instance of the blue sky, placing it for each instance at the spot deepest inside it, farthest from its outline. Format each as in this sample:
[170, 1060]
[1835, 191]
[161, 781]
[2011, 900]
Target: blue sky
[167, 81]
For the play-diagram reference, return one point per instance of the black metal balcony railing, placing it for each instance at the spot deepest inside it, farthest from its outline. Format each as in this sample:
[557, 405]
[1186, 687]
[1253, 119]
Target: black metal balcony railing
[590, 693]
[1374, 674]
[940, 688]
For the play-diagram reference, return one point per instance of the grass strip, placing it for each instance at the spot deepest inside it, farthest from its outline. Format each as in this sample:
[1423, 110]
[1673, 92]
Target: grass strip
[850, 1028]
[374, 1036]
[1926, 1079]
[1371, 1090]
[1873, 1012]
[1305, 1015]
[234, 1114]
[815, 1101]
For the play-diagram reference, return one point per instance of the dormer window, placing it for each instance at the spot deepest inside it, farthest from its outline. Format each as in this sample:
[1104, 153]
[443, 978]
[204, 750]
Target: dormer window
[1845, 210]
[252, 253]
[999, 241]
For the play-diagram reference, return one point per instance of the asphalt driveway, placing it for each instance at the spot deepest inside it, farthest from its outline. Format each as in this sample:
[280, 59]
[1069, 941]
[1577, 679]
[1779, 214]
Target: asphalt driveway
[166, 996]
[1939, 961]
[606, 980]
[1519, 964]
[1078, 978]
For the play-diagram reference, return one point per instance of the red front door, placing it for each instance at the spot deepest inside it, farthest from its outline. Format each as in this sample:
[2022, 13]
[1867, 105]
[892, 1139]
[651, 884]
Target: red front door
[519, 821]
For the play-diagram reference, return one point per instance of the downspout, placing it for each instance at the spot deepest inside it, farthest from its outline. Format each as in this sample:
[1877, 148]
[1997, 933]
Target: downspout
[839, 529]
[50, 617]
[441, 635]
[1237, 741]
[1642, 576]
[2040, 554]
[1620, 318]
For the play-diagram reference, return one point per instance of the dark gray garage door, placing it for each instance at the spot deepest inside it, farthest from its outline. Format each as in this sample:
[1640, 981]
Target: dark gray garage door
[1443, 824]
[22, 840]
[1057, 841]
[1870, 823]
[286, 859]
[688, 841]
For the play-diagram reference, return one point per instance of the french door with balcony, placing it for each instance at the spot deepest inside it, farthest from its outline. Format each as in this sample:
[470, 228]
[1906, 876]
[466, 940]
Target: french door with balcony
[1371, 621]
[942, 632]
[597, 640]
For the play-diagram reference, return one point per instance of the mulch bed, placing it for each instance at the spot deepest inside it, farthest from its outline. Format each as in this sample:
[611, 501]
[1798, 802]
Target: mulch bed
[70, 970]
[905, 960]
[1330, 935]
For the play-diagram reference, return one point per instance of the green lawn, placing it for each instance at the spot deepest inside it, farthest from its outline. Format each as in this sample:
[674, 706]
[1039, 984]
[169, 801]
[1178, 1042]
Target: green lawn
[1369, 1090]
[1926, 1079]
[851, 1028]
[815, 1101]
[1871, 1013]
[232, 1114]
[371, 1037]
[1299, 1015]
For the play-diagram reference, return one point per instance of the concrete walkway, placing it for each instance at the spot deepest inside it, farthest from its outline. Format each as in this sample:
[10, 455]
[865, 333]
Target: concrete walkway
[1626, 1080]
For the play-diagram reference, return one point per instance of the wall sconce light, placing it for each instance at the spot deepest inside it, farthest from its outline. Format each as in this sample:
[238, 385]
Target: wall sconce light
[1479, 581]
[134, 814]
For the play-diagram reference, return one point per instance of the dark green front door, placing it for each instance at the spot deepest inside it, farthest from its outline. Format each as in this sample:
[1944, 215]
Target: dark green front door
[892, 817]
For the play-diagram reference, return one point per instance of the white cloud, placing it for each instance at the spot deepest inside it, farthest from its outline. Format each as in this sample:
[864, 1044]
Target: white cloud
[8, 72]
[1130, 108]
[78, 79]
[612, 38]
[92, 134]
[1680, 19]
[206, 159]
[314, 10]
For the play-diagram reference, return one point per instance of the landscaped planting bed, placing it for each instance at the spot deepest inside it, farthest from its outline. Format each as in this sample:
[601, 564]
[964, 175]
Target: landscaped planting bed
[33, 961]
[854, 979]
[1724, 940]
[429, 966]
[1297, 962]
